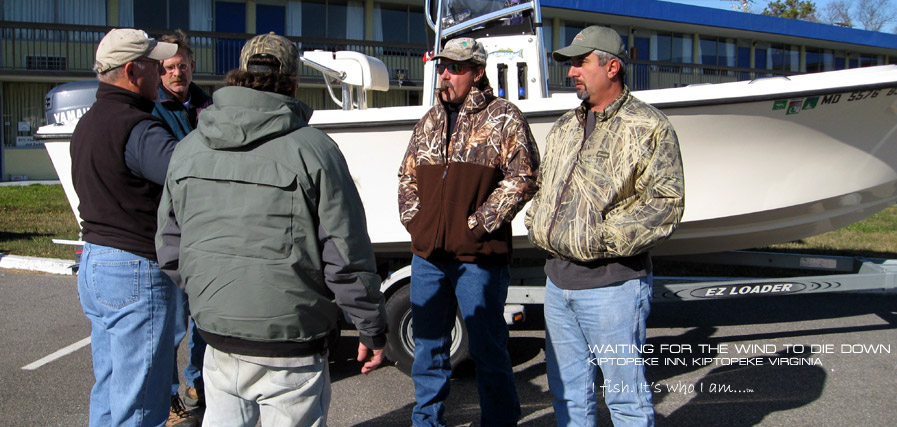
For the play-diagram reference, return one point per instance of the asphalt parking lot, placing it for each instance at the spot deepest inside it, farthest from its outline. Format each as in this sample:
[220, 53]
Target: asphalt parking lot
[825, 359]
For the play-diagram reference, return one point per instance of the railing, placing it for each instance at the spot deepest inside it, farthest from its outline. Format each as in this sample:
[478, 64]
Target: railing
[68, 50]
[49, 48]
[643, 75]
[46, 48]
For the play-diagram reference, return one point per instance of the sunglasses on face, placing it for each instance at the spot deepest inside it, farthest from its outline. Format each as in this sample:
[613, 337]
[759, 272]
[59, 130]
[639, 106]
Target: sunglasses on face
[453, 68]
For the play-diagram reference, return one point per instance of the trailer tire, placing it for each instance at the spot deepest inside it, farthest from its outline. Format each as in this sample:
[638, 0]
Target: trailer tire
[401, 338]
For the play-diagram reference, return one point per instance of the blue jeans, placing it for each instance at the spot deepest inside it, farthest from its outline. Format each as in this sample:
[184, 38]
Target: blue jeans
[197, 346]
[438, 290]
[576, 321]
[129, 302]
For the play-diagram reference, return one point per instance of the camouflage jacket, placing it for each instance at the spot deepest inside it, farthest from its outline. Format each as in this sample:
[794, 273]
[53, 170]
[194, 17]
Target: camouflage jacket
[617, 194]
[459, 198]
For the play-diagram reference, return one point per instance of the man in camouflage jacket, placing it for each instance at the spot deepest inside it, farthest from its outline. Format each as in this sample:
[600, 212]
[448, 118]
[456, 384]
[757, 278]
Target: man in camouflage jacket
[470, 166]
[611, 188]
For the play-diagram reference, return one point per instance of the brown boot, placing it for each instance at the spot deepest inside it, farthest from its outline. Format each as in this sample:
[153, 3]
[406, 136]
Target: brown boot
[194, 397]
[179, 416]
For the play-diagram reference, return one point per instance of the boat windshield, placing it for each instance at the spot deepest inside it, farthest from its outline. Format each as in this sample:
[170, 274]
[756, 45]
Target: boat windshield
[455, 12]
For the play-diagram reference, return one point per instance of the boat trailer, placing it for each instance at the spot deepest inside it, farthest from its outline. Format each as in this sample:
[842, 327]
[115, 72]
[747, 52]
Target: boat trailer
[830, 274]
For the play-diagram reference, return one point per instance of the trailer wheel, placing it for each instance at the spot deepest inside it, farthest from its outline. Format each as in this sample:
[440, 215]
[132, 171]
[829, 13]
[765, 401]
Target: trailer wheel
[401, 338]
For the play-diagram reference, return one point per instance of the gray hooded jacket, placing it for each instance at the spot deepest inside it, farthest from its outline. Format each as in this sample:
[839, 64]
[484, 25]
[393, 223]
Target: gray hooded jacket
[261, 224]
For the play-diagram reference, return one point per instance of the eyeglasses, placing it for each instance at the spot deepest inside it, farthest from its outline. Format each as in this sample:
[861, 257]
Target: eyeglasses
[453, 68]
[181, 67]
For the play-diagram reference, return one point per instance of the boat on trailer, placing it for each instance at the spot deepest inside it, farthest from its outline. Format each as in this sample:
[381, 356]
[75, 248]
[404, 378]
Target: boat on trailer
[766, 161]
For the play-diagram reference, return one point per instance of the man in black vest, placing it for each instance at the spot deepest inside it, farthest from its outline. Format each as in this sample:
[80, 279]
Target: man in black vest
[120, 154]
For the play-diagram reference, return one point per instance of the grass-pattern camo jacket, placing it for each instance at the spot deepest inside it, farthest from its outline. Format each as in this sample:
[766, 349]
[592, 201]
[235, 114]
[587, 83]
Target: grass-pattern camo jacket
[616, 194]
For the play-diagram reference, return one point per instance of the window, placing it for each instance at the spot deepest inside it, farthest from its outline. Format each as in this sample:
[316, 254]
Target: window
[161, 14]
[270, 18]
[840, 61]
[77, 12]
[22, 103]
[814, 61]
[336, 20]
[642, 48]
[828, 60]
[672, 47]
[570, 30]
[340, 19]
[681, 51]
[402, 24]
[778, 58]
[663, 45]
[709, 55]
[312, 16]
[761, 57]
[744, 57]
[547, 37]
[868, 60]
[45, 62]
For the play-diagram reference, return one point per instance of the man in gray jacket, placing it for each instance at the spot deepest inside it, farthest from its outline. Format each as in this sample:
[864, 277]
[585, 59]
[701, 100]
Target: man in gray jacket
[262, 225]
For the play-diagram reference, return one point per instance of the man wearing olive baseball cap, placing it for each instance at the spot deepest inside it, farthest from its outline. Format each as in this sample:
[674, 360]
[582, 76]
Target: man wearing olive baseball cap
[120, 153]
[267, 285]
[598, 225]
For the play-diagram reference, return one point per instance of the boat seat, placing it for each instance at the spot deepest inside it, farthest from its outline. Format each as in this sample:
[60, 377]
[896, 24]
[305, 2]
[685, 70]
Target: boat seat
[362, 71]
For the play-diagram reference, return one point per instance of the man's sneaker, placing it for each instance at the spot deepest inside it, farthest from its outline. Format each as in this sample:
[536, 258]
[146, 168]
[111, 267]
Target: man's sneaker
[178, 415]
[194, 397]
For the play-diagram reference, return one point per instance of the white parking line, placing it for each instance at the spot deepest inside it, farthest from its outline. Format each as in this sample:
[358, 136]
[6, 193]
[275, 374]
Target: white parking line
[57, 355]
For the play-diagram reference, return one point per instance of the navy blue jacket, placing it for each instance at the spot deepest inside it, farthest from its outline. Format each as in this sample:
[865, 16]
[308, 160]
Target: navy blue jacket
[180, 119]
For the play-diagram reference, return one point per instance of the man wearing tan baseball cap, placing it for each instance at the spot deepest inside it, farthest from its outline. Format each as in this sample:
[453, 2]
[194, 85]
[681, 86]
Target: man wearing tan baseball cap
[120, 154]
[124, 45]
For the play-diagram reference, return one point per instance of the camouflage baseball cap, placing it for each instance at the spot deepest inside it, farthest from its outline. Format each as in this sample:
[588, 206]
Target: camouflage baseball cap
[122, 45]
[592, 38]
[273, 45]
[463, 49]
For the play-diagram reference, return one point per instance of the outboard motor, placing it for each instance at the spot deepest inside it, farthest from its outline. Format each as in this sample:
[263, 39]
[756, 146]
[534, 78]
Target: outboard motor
[65, 104]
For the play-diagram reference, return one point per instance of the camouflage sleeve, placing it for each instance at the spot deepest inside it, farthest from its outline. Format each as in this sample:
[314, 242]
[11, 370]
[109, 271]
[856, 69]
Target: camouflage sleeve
[409, 202]
[520, 165]
[636, 226]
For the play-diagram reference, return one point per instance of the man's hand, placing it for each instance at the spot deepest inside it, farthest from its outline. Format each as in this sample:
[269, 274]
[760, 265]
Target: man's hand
[376, 358]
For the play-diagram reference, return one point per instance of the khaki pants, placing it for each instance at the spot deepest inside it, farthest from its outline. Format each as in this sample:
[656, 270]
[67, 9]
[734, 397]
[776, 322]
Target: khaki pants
[240, 389]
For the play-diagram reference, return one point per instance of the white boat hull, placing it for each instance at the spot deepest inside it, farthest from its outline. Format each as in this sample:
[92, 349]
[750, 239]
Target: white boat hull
[755, 174]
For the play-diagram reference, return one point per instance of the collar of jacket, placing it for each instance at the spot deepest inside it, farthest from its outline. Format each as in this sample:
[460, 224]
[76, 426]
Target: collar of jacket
[241, 116]
[476, 100]
[198, 97]
[608, 112]
[113, 93]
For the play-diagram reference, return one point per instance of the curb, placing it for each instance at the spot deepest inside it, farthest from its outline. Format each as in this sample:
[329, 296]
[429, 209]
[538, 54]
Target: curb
[30, 263]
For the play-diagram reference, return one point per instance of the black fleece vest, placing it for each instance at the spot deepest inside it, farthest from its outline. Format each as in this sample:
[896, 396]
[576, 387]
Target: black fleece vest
[118, 209]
